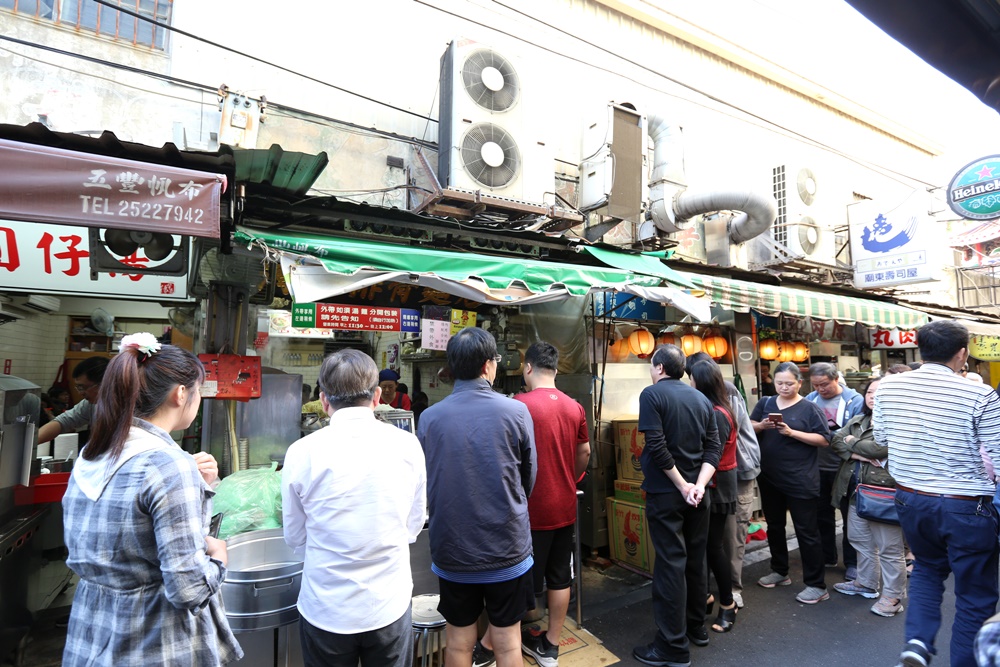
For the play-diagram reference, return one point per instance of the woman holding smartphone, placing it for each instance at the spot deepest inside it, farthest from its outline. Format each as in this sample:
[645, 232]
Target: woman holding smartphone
[791, 431]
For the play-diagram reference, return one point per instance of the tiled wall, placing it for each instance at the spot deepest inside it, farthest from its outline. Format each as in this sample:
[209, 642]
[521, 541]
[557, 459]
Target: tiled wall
[35, 346]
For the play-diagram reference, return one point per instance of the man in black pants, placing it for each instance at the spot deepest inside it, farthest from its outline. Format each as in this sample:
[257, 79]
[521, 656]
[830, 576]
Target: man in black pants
[681, 452]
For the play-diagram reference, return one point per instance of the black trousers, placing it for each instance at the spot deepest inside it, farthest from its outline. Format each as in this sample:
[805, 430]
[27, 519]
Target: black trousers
[389, 646]
[679, 534]
[776, 506]
[827, 519]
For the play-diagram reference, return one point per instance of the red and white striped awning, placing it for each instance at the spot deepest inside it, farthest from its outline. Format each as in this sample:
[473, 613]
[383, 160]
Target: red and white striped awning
[986, 231]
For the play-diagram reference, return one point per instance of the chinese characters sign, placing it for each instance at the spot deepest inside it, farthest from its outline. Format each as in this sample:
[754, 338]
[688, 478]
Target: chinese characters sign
[45, 184]
[890, 244]
[354, 318]
[51, 258]
[891, 339]
[984, 348]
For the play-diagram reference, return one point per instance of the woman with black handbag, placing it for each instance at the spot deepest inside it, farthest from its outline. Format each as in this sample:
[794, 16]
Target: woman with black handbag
[879, 542]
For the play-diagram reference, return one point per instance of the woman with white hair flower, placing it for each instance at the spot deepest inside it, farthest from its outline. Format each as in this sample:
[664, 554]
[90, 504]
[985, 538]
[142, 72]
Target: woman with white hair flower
[136, 515]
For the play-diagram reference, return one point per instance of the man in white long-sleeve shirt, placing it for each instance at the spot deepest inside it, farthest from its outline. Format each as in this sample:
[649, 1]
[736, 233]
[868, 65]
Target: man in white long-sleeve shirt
[354, 495]
[935, 424]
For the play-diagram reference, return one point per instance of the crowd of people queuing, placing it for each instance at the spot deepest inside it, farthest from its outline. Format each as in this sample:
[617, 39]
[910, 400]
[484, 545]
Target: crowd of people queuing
[497, 477]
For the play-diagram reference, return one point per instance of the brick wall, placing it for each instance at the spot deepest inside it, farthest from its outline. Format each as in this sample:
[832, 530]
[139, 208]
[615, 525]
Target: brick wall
[36, 346]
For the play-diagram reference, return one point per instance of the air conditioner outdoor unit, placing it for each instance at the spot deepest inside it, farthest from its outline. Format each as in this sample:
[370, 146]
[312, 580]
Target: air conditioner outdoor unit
[37, 302]
[613, 174]
[491, 137]
[805, 222]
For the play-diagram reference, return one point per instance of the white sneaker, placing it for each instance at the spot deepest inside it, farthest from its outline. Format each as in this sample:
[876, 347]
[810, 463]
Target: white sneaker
[738, 599]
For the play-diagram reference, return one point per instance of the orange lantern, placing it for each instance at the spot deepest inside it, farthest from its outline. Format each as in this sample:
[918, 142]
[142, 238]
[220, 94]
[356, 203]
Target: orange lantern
[666, 338]
[690, 343]
[786, 351]
[801, 352]
[769, 349]
[641, 342]
[618, 350]
[715, 345]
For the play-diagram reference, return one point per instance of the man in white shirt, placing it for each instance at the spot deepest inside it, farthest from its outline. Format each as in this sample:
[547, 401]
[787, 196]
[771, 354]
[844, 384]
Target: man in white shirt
[354, 495]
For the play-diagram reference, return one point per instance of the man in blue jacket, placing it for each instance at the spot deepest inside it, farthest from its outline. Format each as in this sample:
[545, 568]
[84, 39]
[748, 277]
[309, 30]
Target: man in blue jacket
[839, 404]
[480, 452]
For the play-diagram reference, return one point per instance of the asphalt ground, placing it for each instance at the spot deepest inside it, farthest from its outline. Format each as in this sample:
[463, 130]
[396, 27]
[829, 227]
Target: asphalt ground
[774, 629]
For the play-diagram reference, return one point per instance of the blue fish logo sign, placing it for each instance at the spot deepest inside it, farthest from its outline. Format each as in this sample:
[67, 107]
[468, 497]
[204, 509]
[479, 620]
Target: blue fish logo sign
[883, 236]
[974, 192]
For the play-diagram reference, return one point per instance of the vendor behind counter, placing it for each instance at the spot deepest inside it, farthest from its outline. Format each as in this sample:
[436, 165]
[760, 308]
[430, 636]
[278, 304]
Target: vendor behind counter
[388, 380]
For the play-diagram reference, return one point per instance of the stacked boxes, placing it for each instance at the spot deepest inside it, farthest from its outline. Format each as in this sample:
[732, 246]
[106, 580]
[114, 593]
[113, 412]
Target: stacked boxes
[628, 529]
[628, 447]
[628, 535]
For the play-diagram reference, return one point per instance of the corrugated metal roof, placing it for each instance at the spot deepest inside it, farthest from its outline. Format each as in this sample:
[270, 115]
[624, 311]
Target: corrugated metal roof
[282, 172]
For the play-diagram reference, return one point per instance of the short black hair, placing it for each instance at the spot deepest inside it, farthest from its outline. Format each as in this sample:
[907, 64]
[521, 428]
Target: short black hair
[914, 365]
[542, 355]
[468, 350]
[671, 358]
[823, 369]
[92, 368]
[697, 358]
[941, 340]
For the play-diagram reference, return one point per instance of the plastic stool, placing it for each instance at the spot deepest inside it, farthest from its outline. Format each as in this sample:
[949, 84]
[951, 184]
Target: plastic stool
[428, 631]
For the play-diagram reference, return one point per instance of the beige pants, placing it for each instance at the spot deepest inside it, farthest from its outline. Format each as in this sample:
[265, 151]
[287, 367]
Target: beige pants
[736, 530]
[880, 547]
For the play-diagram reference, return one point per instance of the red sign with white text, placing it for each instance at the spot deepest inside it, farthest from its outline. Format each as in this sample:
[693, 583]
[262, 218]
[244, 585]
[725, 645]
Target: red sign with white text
[55, 259]
[44, 184]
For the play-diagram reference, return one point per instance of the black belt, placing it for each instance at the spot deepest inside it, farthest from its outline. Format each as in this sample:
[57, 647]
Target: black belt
[938, 495]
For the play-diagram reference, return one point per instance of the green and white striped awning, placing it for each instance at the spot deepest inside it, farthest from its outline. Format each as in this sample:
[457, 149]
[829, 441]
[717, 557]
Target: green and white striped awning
[743, 297]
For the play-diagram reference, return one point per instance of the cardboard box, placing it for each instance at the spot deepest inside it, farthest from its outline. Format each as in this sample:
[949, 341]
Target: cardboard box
[630, 491]
[627, 534]
[628, 448]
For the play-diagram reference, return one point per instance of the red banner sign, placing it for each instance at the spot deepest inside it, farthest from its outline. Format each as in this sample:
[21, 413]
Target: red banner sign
[42, 184]
[891, 339]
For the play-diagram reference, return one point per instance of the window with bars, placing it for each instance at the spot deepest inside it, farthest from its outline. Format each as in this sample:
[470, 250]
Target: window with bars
[779, 230]
[98, 19]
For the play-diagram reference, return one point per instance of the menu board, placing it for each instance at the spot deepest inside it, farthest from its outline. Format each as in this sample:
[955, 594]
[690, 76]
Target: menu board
[434, 334]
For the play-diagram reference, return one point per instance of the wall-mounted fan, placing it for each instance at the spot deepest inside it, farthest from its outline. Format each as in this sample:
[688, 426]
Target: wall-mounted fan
[239, 268]
[490, 80]
[102, 322]
[490, 155]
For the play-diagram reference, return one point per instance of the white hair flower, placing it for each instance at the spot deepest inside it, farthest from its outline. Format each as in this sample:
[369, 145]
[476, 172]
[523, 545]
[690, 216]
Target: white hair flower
[144, 342]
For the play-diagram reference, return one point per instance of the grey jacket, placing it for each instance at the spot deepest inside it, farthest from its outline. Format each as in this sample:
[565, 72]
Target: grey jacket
[747, 449]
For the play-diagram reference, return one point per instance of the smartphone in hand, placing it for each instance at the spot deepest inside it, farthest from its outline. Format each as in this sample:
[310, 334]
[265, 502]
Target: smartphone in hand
[215, 525]
[775, 418]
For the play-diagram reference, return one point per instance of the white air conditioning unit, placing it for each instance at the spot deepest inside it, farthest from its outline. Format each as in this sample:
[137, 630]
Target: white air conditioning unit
[37, 302]
[805, 223]
[491, 138]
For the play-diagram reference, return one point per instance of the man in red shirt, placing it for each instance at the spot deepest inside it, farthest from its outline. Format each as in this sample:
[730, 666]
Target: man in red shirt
[563, 446]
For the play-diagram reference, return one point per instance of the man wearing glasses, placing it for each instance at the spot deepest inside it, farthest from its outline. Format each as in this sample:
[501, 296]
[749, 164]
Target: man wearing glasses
[480, 452]
[87, 376]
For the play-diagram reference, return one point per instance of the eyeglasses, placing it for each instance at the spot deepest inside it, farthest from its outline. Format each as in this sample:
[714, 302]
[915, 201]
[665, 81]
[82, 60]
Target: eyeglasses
[84, 388]
[498, 358]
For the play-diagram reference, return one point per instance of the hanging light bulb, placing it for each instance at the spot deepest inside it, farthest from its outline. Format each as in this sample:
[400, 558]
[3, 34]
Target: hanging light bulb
[641, 342]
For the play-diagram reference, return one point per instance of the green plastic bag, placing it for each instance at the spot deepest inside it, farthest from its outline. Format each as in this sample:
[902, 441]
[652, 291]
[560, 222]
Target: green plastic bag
[249, 500]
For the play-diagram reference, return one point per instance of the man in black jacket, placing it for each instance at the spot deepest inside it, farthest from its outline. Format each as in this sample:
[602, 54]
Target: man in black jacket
[680, 456]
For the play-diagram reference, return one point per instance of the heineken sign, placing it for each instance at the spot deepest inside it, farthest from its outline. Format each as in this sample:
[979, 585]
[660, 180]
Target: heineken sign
[974, 193]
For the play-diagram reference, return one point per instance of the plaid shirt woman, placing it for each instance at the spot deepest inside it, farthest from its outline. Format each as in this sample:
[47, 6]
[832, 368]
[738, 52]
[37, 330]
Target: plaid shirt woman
[136, 516]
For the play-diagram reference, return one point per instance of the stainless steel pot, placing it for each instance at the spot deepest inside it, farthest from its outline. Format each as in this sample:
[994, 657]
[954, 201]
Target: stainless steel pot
[262, 581]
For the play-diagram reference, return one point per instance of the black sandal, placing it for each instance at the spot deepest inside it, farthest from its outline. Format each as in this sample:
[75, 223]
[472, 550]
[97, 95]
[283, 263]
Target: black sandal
[725, 620]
